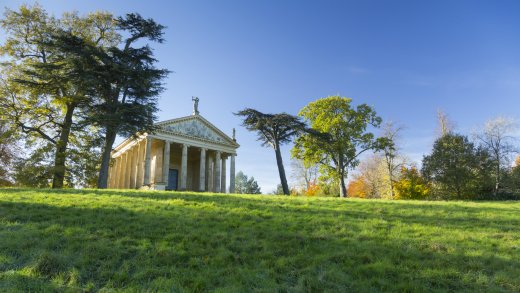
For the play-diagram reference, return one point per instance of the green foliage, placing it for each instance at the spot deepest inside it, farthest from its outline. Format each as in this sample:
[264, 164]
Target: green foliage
[112, 240]
[44, 76]
[343, 138]
[510, 185]
[65, 76]
[411, 185]
[273, 129]
[85, 159]
[328, 187]
[245, 185]
[457, 169]
[36, 169]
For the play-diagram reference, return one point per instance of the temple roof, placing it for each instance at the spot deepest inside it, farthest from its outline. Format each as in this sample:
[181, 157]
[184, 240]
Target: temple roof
[195, 127]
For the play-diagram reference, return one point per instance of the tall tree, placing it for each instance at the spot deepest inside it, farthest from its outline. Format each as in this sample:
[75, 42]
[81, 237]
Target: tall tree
[44, 82]
[455, 167]
[373, 170]
[346, 136]
[393, 161]
[127, 86]
[273, 130]
[497, 137]
[512, 180]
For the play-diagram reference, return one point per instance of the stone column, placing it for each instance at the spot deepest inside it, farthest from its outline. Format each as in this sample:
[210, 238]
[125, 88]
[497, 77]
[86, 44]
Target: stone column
[117, 179]
[217, 172]
[147, 155]
[119, 171]
[123, 171]
[166, 162]
[208, 172]
[184, 167]
[140, 172]
[133, 162]
[129, 155]
[137, 154]
[202, 176]
[232, 174]
[223, 182]
[110, 174]
[124, 179]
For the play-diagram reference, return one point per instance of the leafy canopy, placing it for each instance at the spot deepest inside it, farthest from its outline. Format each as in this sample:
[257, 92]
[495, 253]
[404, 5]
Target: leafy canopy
[345, 136]
[273, 129]
[411, 185]
[456, 168]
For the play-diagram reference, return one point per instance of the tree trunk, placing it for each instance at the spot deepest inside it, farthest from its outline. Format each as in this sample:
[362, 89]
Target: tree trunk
[390, 175]
[110, 137]
[343, 188]
[341, 172]
[61, 148]
[281, 170]
[497, 178]
[392, 193]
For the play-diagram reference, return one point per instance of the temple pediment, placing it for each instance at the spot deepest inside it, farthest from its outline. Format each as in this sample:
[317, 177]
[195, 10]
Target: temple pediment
[195, 126]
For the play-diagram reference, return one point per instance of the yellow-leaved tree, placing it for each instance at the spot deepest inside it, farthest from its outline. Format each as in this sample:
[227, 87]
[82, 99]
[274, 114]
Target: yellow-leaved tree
[411, 185]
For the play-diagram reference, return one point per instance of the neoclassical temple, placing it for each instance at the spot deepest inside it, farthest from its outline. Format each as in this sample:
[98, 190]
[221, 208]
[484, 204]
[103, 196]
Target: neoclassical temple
[187, 153]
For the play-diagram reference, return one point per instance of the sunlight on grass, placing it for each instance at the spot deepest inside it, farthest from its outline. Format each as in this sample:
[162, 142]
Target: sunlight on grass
[170, 241]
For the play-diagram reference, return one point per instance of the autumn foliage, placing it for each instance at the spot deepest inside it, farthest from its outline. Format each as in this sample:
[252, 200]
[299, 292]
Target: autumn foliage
[313, 189]
[411, 185]
[358, 187]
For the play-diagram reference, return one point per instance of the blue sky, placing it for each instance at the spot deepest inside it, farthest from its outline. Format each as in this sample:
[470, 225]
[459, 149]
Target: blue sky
[405, 58]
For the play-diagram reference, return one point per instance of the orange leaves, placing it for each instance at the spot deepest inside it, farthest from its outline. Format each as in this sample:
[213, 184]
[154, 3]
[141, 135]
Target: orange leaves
[358, 187]
[312, 189]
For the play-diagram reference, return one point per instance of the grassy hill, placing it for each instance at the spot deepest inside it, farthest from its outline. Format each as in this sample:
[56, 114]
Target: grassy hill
[156, 241]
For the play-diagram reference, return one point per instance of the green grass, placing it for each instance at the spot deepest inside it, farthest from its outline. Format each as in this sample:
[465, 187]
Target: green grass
[89, 240]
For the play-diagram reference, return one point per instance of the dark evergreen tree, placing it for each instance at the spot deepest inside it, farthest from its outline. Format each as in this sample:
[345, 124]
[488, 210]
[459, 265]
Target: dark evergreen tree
[273, 130]
[127, 86]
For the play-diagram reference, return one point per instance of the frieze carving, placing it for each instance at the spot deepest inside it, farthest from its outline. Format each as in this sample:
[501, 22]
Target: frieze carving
[194, 128]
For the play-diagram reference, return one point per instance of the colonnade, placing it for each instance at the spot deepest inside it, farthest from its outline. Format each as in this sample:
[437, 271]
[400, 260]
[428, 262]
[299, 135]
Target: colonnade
[133, 168]
[127, 169]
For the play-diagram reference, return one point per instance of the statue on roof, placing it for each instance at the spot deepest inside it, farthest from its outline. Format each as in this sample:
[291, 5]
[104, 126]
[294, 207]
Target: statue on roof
[195, 105]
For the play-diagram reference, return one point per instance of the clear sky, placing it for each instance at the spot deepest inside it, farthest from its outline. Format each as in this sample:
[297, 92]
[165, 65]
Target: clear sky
[405, 58]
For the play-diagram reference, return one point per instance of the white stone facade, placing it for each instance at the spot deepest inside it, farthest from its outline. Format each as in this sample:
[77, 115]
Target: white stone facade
[187, 153]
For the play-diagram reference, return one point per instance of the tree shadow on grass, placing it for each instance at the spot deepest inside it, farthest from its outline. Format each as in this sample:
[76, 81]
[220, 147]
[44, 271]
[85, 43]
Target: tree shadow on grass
[12, 281]
[203, 249]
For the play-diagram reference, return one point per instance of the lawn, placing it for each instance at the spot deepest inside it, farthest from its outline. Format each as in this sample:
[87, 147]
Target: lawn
[88, 240]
